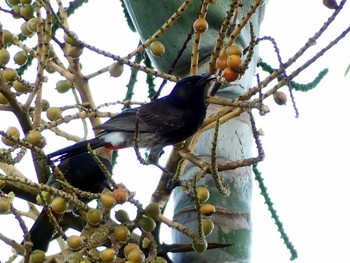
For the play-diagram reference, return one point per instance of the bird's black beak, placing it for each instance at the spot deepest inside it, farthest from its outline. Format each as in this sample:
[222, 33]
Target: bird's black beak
[206, 77]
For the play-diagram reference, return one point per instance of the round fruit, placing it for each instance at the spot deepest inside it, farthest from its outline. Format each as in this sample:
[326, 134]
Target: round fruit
[234, 62]
[120, 195]
[130, 247]
[7, 36]
[37, 256]
[146, 242]
[20, 57]
[207, 209]
[75, 242]
[59, 205]
[4, 57]
[152, 210]
[63, 86]
[27, 11]
[12, 2]
[32, 24]
[53, 113]
[280, 98]
[19, 86]
[208, 226]
[200, 25]
[45, 104]
[34, 137]
[25, 31]
[3, 99]
[75, 51]
[230, 74]
[107, 201]
[203, 194]
[200, 247]
[157, 48]
[25, 2]
[46, 196]
[4, 205]
[14, 132]
[221, 62]
[121, 233]
[15, 10]
[331, 4]
[147, 224]
[122, 216]
[234, 50]
[9, 74]
[136, 256]
[116, 69]
[94, 217]
[107, 255]
[69, 40]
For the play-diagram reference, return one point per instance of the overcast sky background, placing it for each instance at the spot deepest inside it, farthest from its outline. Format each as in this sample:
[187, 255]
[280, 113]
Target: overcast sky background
[305, 168]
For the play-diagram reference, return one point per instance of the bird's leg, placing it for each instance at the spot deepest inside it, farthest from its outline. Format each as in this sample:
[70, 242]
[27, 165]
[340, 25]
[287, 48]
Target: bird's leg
[170, 184]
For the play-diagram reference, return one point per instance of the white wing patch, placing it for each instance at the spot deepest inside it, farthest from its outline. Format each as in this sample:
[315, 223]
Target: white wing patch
[114, 138]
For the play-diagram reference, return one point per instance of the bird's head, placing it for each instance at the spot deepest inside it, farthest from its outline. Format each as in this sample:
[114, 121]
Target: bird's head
[191, 89]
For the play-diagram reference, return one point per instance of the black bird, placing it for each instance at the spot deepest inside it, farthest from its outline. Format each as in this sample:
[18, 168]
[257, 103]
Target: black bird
[164, 121]
[82, 172]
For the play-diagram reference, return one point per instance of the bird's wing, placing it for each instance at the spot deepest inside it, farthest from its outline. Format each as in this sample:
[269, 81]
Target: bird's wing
[155, 117]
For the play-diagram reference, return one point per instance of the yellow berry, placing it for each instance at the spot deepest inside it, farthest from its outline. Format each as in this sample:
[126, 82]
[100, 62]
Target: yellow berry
[200, 247]
[12, 131]
[129, 247]
[234, 50]
[234, 62]
[94, 217]
[37, 256]
[59, 205]
[203, 194]
[107, 201]
[34, 137]
[121, 233]
[107, 255]
[157, 48]
[4, 205]
[53, 113]
[152, 210]
[116, 69]
[75, 242]
[200, 25]
[207, 209]
[136, 256]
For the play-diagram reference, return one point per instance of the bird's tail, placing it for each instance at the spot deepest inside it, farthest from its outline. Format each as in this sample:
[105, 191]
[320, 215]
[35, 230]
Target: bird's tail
[78, 148]
[41, 232]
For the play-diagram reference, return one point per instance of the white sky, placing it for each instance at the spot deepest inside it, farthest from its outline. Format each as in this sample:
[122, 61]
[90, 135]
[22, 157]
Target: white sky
[305, 167]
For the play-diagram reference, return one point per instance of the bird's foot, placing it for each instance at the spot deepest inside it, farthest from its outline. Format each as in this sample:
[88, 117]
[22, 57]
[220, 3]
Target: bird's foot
[170, 184]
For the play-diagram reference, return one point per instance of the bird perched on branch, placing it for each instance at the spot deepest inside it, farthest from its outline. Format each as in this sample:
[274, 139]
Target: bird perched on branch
[82, 172]
[164, 121]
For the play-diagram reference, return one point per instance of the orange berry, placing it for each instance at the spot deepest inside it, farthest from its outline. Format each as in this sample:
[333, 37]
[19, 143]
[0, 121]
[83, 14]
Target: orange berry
[120, 195]
[230, 74]
[200, 25]
[234, 62]
[207, 209]
[221, 62]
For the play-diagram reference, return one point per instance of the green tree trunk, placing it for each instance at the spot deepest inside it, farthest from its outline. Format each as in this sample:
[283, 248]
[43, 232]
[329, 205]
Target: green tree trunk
[232, 219]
